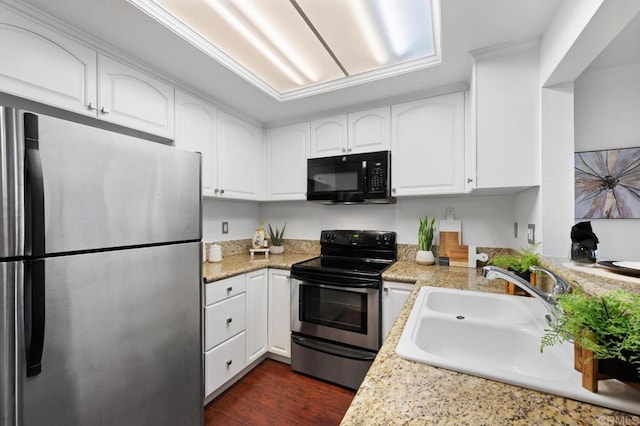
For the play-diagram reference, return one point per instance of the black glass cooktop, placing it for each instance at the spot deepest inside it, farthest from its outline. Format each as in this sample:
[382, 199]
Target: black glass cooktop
[345, 265]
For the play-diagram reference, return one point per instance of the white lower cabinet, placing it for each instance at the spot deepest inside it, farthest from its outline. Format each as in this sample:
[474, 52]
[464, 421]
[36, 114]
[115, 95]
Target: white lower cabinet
[223, 362]
[224, 331]
[257, 299]
[237, 323]
[394, 296]
[280, 312]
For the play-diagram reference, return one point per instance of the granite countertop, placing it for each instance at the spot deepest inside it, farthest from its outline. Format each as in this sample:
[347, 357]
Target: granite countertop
[243, 263]
[399, 391]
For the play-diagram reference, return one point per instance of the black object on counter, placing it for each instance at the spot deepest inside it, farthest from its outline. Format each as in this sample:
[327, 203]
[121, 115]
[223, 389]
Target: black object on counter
[584, 243]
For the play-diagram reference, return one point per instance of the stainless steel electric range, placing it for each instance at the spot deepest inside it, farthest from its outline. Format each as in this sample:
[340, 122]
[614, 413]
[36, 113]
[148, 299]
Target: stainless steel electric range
[336, 316]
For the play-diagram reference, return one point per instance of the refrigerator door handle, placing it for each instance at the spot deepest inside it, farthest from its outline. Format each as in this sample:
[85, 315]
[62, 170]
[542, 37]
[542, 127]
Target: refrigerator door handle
[34, 315]
[34, 189]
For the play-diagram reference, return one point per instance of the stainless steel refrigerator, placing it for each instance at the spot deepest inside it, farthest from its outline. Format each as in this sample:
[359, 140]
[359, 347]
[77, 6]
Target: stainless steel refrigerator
[100, 267]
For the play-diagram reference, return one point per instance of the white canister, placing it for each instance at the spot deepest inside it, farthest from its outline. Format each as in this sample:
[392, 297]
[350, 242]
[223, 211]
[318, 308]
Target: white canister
[215, 253]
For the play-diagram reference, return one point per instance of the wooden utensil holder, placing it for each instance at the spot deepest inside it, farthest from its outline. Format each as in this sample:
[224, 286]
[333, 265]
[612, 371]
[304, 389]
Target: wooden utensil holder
[589, 370]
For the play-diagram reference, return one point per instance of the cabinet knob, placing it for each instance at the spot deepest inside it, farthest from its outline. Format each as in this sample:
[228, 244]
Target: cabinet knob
[393, 190]
[92, 106]
[229, 362]
[104, 110]
[229, 321]
[215, 191]
[344, 149]
[229, 289]
[349, 150]
[469, 180]
[221, 191]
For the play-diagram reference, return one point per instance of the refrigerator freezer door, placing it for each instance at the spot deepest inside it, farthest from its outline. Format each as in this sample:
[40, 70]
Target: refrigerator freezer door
[10, 275]
[104, 189]
[122, 342]
[11, 185]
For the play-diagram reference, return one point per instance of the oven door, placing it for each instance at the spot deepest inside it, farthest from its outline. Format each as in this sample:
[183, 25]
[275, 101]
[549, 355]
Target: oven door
[347, 315]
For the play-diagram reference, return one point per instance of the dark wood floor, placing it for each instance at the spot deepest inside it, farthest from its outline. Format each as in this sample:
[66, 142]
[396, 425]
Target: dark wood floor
[272, 394]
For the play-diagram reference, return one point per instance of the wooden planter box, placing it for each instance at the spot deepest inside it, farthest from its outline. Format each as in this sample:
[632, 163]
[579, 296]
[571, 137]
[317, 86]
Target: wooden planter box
[603, 369]
[512, 289]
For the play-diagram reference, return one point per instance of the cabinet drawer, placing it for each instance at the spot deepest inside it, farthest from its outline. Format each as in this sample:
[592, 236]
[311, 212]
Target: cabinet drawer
[224, 319]
[223, 362]
[220, 290]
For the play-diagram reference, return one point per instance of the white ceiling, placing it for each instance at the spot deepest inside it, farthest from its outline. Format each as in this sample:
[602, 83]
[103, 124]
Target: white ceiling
[466, 25]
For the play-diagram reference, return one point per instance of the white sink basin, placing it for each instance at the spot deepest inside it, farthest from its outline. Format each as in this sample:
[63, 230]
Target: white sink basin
[498, 337]
[478, 305]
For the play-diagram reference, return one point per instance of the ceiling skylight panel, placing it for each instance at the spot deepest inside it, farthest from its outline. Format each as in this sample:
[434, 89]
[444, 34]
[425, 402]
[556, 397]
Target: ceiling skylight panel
[296, 48]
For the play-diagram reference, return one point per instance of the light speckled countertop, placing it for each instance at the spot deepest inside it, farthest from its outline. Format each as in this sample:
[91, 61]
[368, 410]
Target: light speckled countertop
[398, 391]
[243, 263]
[403, 392]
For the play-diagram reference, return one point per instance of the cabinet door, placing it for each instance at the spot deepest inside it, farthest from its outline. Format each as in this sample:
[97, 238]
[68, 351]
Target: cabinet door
[238, 158]
[133, 99]
[507, 108]
[196, 130]
[427, 141]
[286, 162]
[257, 305]
[279, 313]
[370, 130]
[394, 296]
[223, 362]
[42, 65]
[329, 136]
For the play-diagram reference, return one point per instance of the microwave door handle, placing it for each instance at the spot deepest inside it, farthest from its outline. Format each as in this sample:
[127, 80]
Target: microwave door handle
[364, 176]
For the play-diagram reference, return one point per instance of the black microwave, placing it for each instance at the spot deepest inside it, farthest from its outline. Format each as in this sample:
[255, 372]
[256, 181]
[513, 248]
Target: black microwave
[350, 179]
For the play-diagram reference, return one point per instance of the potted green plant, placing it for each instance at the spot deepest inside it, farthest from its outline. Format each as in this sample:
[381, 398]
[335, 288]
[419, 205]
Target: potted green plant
[277, 237]
[518, 263]
[607, 327]
[425, 256]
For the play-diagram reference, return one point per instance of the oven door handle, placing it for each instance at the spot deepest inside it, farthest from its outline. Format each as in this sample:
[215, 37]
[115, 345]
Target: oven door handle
[332, 349]
[351, 282]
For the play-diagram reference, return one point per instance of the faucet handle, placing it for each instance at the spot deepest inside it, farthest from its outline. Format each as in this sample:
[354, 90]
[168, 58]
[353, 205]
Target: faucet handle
[560, 286]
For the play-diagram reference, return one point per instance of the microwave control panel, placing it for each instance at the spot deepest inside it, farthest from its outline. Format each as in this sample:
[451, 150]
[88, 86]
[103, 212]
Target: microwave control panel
[377, 176]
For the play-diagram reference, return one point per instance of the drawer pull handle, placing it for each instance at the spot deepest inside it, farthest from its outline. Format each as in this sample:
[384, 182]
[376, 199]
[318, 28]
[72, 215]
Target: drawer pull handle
[229, 320]
[229, 362]
[229, 289]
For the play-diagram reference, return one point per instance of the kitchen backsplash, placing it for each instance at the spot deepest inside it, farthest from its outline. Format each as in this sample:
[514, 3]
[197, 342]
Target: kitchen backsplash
[406, 252]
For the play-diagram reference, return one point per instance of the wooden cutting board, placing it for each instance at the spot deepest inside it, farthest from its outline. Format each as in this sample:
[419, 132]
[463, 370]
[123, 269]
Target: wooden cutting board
[459, 256]
[450, 234]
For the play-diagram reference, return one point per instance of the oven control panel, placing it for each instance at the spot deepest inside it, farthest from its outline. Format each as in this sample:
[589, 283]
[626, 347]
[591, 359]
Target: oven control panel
[373, 239]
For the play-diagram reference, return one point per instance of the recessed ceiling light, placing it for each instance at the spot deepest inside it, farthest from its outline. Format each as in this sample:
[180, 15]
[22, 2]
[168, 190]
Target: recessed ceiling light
[296, 48]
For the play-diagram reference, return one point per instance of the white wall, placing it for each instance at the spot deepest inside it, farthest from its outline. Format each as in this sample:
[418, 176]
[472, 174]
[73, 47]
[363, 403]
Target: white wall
[486, 220]
[607, 116]
[243, 217]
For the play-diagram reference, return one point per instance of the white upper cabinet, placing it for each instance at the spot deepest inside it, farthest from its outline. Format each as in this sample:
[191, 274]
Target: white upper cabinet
[286, 162]
[42, 65]
[369, 130]
[506, 99]
[197, 131]
[357, 132]
[47, 67]
[239, 158]
[329, 136]
[133, 99]
[427, 144]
